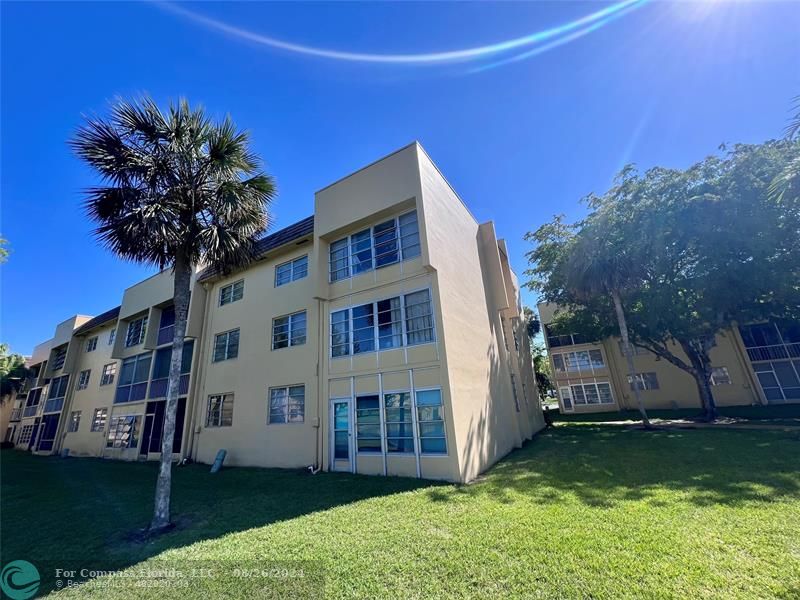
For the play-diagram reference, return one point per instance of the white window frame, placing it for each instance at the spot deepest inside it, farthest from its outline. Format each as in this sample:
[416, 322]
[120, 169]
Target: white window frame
[290, 329]
[583, 385]
[376, 325]
[232, 288]
[226, 398]
[294, 268]
[83, 379]
[129, 343]
[91, 344]
[570, 363]
[112, 335]
[108, 378]
[446, 452]
[99, 419]
[287, 389]
[227, 335]
[133, 437]
[348, 243]
[74, 422]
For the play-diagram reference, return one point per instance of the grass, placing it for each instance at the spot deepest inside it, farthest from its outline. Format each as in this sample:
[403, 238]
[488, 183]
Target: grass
[787, 414]
[580, 512]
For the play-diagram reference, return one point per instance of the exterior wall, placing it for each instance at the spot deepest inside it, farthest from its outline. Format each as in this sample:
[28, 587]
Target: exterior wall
[251, 440]
[676, 388]
[472, 297]
[85, 442]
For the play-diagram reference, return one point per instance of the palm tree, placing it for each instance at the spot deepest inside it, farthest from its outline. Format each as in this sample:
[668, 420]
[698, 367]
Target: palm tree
[178, 191]
[597, 266]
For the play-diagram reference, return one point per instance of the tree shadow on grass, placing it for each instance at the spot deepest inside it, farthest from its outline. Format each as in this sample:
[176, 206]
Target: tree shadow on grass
[85, 513]
[606, 466]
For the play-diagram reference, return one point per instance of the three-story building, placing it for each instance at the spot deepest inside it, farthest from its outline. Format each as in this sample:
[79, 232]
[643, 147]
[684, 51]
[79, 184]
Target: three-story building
[382, 335]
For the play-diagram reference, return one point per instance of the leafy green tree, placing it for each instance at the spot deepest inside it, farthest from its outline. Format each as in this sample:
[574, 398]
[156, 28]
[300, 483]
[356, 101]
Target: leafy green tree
[13, 372]
[3, 250]
[541, 369]
[712, 247]
[178, 191]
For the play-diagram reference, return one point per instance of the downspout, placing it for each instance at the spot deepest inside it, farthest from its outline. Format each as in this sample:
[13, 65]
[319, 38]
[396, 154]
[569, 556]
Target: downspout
[320, 346]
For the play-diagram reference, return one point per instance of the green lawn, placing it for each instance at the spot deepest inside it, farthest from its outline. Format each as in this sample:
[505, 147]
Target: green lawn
[581, 512]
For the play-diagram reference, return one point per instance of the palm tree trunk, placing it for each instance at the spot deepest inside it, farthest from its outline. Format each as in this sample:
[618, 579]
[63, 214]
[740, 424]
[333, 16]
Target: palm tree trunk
[182, 279]
[626, 344]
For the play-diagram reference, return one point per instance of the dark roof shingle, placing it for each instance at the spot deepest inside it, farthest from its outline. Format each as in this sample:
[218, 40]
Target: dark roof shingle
[102, 319]
[272, 241]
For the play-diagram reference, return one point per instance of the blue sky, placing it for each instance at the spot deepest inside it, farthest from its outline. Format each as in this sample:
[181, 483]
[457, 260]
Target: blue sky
[666, 83]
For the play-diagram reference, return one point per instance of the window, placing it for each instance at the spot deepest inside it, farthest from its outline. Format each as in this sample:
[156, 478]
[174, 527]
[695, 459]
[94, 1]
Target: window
[99, 419]
[419, 317]
[430, 415]
[287, 404]
[133, 378]
[368, 424]
[514, 391]
[339, 260]
[384, 244]
[569, 339]
[220, 410]
[398, 421]
[231, 293]
[56, 393]
[591, 393]
[123, 432]
[74, 421]
[340, 333]
[83, 379]
[390, 324]
[379, 325]
[112, 335]
[226, 345]
[582, 360]
[363, 328]
[136, 332]
[637, 350]
[163, 358]
[166, 326]
[291, 271]
[645, 381]
[91, 344]
[59, 358]
[360, 252]
[515, 331]
[25, 435]
[720, 376]
[109, 371]
[289, 330]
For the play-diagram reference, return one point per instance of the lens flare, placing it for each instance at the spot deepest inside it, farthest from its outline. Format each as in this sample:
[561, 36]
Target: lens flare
[571, 30]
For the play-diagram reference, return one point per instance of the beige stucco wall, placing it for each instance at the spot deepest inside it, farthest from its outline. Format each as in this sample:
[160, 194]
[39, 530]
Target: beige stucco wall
[472, 293]
[251, 440]
[85, 442]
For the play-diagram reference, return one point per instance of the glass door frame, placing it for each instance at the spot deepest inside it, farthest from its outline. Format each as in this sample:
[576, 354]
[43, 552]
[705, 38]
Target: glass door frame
[335, 464]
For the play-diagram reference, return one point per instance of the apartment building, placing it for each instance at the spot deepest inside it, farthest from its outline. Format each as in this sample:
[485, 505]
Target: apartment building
[754, 364]
[381, 336]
